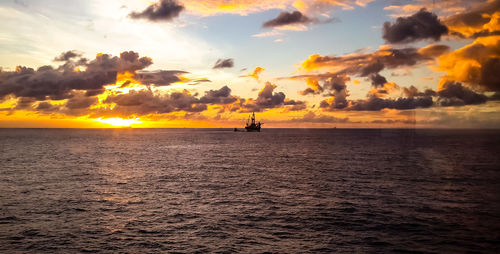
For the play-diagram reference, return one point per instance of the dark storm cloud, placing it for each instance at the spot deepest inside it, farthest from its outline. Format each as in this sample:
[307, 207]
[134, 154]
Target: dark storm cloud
[164, 10]
[288, 18]
[221, 96]
[224, 63]
[158, 78]
[421, 25]
[454, 94]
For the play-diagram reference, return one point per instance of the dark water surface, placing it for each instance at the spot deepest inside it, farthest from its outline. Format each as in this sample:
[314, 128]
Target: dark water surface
[161, 190]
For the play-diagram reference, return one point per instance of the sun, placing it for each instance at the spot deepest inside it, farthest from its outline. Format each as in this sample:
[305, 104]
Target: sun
[119, 122]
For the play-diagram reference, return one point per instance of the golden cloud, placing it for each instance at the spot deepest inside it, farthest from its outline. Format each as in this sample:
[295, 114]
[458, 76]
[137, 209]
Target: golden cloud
[245, 7]
[475, 64]
[255, 73]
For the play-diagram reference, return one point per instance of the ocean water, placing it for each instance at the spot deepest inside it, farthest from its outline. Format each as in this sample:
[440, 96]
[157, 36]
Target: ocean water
[280, 190]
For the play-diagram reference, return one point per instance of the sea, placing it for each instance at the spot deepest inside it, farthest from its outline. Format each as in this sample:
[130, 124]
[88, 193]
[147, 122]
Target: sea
[275, 191]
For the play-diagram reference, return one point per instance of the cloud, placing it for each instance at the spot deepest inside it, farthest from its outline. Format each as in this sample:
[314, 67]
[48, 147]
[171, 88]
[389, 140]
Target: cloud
[311, 117]
[449, 94]
[77, 103]
[362, 64]
[221, 96]
[80, 101]
[476, 64]
[52, 83]
[159, 78]
[444, 8]
[433, 50]
[376, 103]
[245, 7]
[267, 99]
[365, 64]
[331, 68]
[288, 18]
[295, 105]
[145, 102]
[313, 87]
[224, 63]
[255, 73]
[384, 90]
[129, 61]
[421, 25]
[48, 83]
[378, 80]
[465, 19]
[24, 103]
[268, 34]
[46, 107]
[454, 94]
[164, 10]
[77, 88]
[338, 90]
[68, 55]
[412, 91]
[482, 20]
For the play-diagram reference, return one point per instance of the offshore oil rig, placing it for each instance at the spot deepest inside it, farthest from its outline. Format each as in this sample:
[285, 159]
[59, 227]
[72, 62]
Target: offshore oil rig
[252, 126]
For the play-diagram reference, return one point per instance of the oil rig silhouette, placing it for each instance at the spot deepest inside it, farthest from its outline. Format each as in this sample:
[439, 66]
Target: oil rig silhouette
[251, 125]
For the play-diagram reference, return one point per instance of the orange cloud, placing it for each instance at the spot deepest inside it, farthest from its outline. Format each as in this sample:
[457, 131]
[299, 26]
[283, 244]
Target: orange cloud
[313, 87]
[385, 90]
[481, 19]
[476, 64]
[364, 64]
[255, 74]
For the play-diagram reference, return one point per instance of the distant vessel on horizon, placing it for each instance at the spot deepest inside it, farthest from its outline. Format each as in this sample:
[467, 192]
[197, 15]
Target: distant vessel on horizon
[252, 126]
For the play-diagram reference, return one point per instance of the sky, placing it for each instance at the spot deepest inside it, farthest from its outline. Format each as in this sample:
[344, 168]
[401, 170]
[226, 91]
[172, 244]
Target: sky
[209, 64]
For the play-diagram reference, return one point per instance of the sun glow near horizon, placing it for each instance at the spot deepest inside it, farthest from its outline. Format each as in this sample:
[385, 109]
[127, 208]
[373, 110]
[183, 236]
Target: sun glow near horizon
[119, 122]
